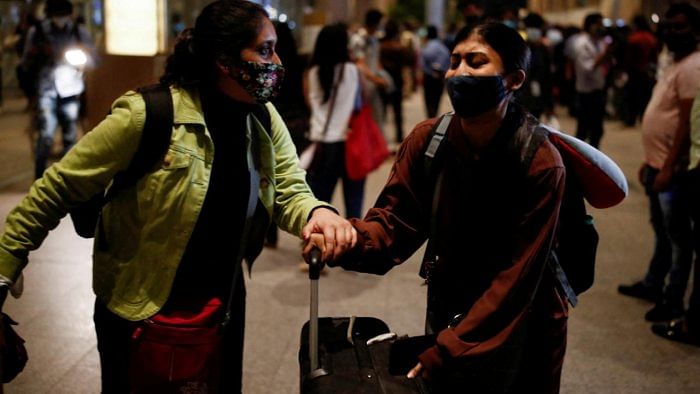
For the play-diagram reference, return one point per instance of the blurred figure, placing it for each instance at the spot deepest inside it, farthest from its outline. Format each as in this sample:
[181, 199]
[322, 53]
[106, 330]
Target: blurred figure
[640, 64]
[665, 130]
[435, 60]
[687, 328]
[410, 40]
[450, 34]
[364, 47]
[536, 94]
[27, 74]
[564, 53]
[590, 54]
[394, 57]
[60, 50]
[331, 87]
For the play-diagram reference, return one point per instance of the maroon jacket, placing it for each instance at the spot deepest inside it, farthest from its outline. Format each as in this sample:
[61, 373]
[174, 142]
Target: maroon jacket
[496, 222]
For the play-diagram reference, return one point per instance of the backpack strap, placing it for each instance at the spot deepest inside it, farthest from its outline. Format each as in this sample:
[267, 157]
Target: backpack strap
[539, 135]
[430, 155]
[438, 134]
[155, 138]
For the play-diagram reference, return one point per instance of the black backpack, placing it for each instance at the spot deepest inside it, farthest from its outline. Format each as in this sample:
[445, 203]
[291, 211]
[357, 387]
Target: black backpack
[572, 257]
[153, 145]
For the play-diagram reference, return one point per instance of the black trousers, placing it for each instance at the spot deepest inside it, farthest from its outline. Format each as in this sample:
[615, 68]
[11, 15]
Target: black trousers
[432, 92]
[114, 343]
[590, 114]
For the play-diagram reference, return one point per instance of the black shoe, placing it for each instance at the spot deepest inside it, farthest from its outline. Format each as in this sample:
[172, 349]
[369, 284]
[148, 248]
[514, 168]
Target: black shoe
[663, 312]
[676, 330]
[641, 291]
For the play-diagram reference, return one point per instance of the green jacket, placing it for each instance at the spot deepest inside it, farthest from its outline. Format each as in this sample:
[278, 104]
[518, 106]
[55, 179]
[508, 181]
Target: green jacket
[144, 230]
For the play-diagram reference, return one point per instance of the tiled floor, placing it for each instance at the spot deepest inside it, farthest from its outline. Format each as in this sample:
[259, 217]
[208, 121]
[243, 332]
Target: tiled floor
[611, 349]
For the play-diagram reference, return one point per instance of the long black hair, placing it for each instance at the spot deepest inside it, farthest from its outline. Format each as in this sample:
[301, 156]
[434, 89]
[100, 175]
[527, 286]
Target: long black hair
[510, 46]
[222, 30]
[331, 48]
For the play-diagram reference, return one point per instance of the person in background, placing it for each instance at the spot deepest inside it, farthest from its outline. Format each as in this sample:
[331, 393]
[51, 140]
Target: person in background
[434, 60]
[394, 57]
[686, 329]
[664, 174]
[536, 94]
[590, 55]
[26, 76]
[331, 87]
[499, 320]
[410, 39]
[640, 65]
[59, 83]
[169, 244]
[365, 52]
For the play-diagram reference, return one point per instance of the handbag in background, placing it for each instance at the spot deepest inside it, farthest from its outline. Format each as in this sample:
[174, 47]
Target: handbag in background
[365, 147]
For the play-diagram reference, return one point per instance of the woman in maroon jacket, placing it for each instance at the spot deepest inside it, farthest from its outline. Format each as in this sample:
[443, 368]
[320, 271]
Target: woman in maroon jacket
[499, 320]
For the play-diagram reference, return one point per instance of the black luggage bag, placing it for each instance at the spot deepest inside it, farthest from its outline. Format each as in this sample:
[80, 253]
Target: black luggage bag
[335, 356]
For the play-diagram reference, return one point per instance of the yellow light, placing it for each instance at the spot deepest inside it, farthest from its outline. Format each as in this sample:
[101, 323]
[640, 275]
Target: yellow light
[76, 57]
[134, 27]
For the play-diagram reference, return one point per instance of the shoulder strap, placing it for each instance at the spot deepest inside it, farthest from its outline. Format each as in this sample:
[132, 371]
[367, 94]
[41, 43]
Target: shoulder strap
[155, 138]
[437, 135]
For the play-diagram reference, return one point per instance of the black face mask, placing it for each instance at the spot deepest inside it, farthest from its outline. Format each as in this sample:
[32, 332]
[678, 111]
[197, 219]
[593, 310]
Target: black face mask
[681, 42]
[472, 96]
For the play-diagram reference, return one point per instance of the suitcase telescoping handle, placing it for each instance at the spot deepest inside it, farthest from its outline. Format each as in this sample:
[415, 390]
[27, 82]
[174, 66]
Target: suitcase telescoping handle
[315, 267]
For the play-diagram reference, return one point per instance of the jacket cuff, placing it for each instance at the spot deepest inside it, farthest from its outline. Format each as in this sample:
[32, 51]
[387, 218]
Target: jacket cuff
[322, 205]
[431, 359]
[10, 266]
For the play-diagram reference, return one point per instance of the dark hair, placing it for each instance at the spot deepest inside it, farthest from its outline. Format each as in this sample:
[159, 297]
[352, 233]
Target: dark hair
[391, 30]
[58, 8]
[592, 19]
[510, 46]
[692, 13]
[640, 23]
[534, 19]
[222, 30]
[373, 17]
[331, 49]
[432, 32]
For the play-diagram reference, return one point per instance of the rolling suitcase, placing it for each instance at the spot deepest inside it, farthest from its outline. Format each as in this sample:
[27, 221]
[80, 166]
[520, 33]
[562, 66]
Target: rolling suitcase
[347, 354]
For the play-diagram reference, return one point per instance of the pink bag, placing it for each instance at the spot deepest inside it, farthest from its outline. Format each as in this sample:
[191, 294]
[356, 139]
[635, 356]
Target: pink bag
[365, 148]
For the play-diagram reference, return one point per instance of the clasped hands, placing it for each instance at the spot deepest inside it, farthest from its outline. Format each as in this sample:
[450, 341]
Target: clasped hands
[332, 234]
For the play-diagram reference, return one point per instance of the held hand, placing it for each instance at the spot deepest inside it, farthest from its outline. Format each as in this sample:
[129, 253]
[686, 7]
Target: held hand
[338, 233]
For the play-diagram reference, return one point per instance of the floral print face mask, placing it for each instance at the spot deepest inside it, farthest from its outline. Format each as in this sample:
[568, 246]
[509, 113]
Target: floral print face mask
[261, 80]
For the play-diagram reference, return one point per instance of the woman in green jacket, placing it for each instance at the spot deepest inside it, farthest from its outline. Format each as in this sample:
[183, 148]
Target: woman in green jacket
[170, 242]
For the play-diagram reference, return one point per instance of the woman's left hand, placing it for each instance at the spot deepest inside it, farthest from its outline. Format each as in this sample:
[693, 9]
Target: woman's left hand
[339, 234]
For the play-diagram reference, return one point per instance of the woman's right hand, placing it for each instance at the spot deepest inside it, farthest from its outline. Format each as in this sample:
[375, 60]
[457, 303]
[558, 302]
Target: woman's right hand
[318, 241]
